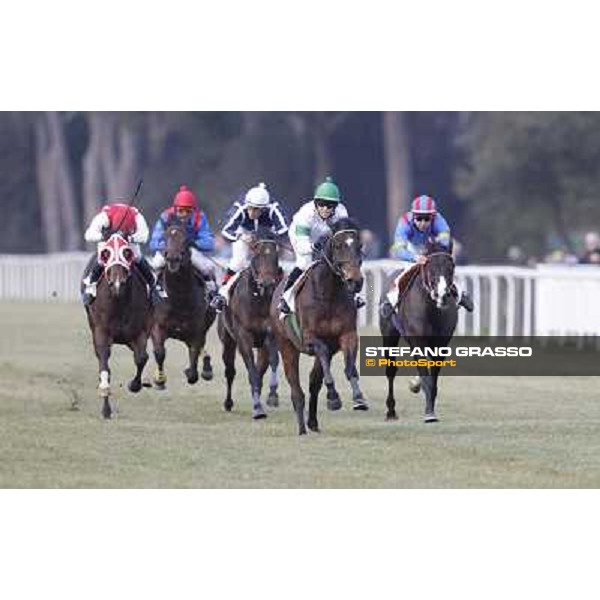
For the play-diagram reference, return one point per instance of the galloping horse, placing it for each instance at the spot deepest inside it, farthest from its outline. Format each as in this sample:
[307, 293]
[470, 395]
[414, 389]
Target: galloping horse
[185, 314]
[121, 314]
[323, 323]
[426, 317]
[245, 323]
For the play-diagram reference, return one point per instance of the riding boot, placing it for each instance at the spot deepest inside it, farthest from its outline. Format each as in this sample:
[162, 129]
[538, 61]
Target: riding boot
[149, 277]
[291, 280]
[218, 300]
[90, 283]
[466, 302]
[386, 309]
[359, 301]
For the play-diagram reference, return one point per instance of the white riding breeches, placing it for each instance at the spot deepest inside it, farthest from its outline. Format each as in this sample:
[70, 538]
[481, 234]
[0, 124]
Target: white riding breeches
[199, 261]
[240, 255]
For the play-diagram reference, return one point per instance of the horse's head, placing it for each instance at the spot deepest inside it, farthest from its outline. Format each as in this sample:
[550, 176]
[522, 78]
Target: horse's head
[177, 250]
[343, 253]
[438, 276]
[116, 256]
[265, 260]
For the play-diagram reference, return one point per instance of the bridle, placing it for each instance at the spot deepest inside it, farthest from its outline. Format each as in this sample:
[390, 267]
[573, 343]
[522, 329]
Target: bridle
[256, 253]
[426, 282]
[336, 266]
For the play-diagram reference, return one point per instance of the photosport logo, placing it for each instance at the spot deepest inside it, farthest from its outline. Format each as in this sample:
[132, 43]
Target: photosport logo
[493, 356]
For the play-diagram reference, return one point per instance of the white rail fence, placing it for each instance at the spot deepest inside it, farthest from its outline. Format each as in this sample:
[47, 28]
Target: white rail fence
[547, 300]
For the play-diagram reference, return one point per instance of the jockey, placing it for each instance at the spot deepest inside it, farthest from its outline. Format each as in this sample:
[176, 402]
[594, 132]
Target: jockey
[244, 220]
[185, 208]
[416, 229]
[309, 224]
[130, 222]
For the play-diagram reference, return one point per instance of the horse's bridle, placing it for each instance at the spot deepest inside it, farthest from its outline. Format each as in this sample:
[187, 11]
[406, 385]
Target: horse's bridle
[425, 279]
[261, 286]
[336, 268]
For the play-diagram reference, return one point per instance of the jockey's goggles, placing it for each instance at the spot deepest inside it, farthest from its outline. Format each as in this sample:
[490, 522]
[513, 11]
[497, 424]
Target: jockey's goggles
[326, 204]
[423, 217]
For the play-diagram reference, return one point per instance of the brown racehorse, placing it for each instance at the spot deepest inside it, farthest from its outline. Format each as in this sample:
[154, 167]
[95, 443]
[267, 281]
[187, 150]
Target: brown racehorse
[325, 322]
[121, 314]
[245, 323]
[426, 317]
[185, 315]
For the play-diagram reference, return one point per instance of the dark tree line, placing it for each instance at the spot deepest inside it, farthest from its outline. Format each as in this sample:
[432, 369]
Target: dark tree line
[501, 178]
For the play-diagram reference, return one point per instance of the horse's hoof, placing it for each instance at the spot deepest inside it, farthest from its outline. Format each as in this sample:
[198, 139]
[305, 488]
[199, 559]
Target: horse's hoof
[207, 370]
[191, 376]
[160, 385]
[302, 431]
[313, 426]
[228, 405]
[430, 418]
[258, 412]
[134, 386]
[106, 412]
[334, 403]
[414, 385]
[146, 383]
[391, 417]
[273, 399]
[360, 405]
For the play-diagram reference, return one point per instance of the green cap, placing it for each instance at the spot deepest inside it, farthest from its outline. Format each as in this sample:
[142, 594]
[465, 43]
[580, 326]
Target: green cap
[327, 191]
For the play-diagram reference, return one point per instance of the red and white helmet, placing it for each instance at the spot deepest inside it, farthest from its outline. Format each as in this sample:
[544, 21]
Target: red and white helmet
[424, 205]
[184, 198]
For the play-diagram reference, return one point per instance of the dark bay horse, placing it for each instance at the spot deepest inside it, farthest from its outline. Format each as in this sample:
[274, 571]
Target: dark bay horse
[121, 314]
[324, 323]
[185, 314]
[245, 324]
[425, 317]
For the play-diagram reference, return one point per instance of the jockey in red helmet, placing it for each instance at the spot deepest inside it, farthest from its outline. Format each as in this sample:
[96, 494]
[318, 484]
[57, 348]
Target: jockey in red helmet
[199, 234]
[129, 222]
[417, 228]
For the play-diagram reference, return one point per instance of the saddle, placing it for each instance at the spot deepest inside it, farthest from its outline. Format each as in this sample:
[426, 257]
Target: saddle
[405, 279]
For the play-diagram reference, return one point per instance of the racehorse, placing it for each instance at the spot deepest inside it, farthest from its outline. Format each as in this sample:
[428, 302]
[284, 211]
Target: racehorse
[425, 317]
[323, 323]
[120, 314]
[185, 314]
[244, 323]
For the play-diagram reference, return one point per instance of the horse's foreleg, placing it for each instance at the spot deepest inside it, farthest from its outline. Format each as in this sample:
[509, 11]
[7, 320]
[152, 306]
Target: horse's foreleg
[191, 372]
[291, 366]
[349, 346]
[315, 384]
[390, 373]
[427, 389]
[229, 347]
[160, 354]
[245, 344]
[207, 370]
[140, 357]
[262, 364]
[273, 399]
[324, 354]
[430, 416]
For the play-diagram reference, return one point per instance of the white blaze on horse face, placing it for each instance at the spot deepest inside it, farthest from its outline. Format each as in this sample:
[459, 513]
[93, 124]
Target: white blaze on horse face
[442, 286]
[349, 241]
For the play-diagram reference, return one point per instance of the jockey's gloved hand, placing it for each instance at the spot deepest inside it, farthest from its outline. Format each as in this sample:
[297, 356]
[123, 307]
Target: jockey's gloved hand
[106, 233]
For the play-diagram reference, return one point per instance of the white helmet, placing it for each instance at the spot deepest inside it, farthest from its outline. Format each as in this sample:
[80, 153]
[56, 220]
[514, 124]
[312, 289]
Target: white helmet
[258, 196]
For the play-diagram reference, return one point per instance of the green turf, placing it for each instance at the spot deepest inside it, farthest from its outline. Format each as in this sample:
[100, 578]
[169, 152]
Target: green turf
[501, 432]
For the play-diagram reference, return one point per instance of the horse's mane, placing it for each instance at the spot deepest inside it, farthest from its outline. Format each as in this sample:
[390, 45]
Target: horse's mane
[341, 225]
[345, 223]
[266, 234]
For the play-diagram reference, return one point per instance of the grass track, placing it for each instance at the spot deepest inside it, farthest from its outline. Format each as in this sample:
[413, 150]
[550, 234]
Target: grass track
[494, 432]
